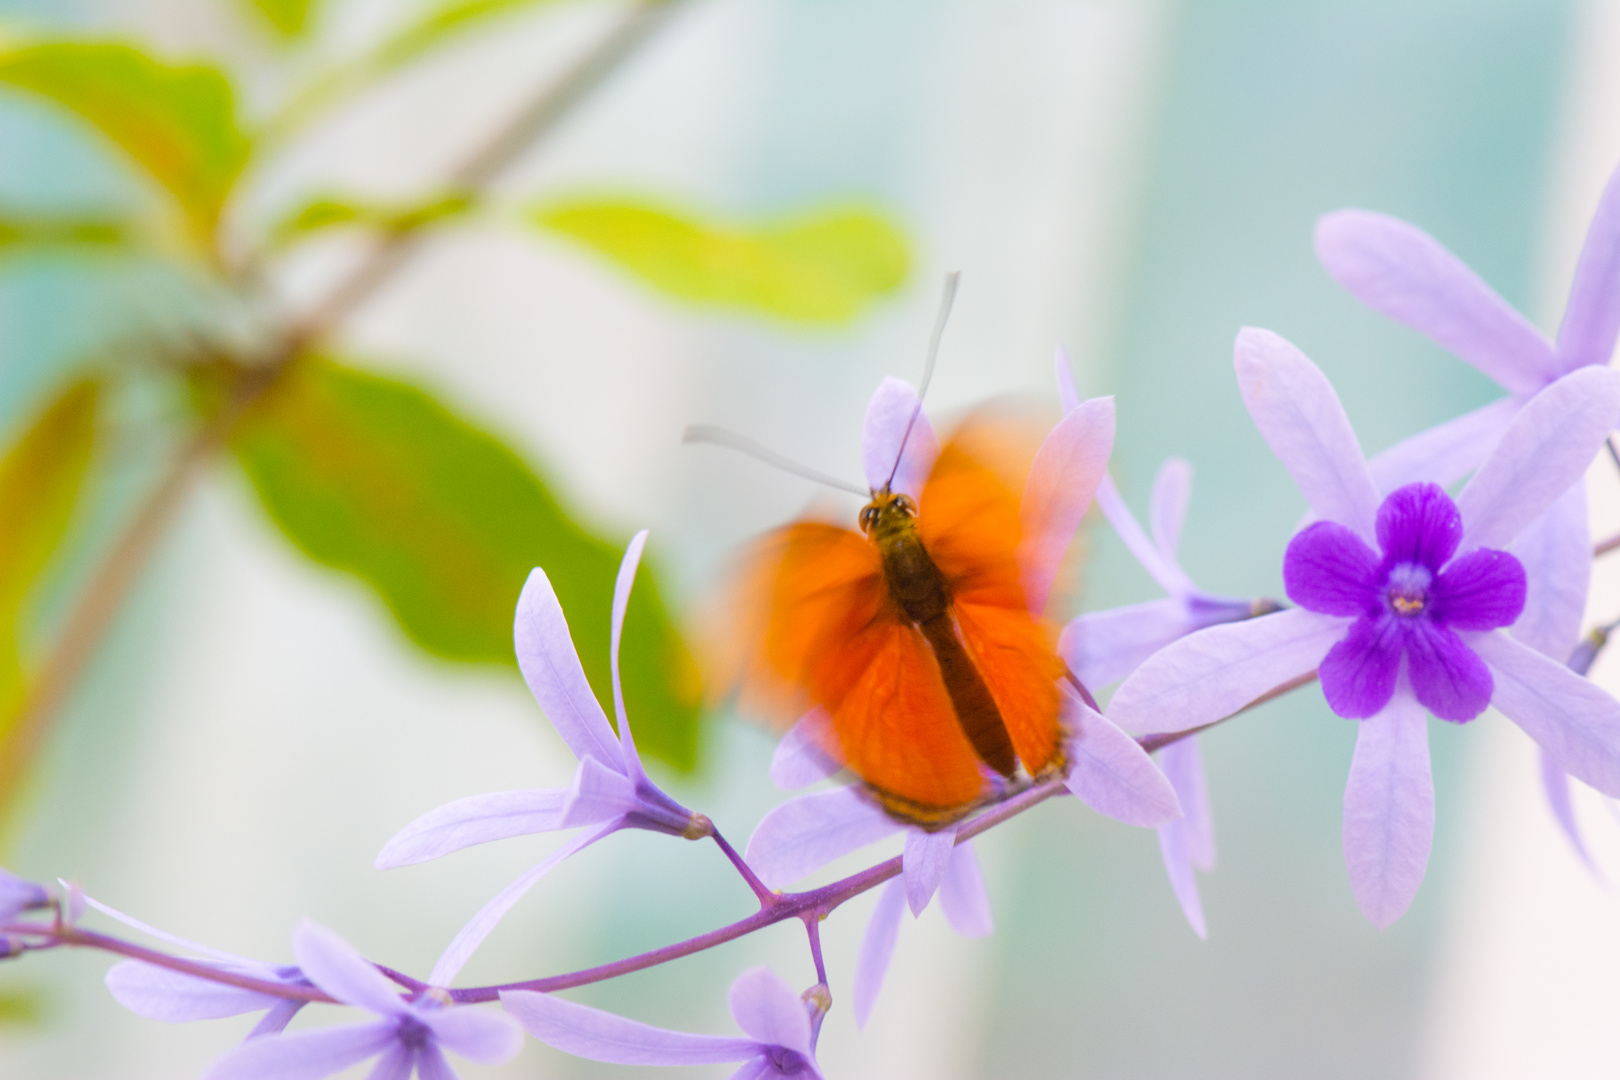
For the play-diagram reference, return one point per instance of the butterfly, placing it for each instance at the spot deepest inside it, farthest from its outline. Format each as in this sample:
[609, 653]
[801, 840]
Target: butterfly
[915, 645]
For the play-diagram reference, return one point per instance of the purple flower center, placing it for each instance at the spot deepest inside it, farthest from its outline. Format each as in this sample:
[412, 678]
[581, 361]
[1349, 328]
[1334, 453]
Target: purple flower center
[1407, 601]
[413, 1033]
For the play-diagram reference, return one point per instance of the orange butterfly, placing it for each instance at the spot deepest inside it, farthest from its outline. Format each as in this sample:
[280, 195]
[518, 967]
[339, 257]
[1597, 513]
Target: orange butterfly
[918, 644]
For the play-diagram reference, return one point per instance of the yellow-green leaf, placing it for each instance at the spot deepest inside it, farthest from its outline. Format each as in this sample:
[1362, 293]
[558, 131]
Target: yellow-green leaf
[333, 212]
[177, 121]
[39, 231]
[825, 266]
[289, 18]
[374, 477]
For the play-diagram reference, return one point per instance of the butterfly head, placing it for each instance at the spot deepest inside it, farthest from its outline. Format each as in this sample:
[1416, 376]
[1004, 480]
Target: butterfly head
[889, 512]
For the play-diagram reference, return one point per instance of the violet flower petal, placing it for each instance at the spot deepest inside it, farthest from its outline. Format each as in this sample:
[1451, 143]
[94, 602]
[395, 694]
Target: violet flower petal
[1183, 766]
[1446, 452]
[877, 947]
[1555, 782]
[1447, 676]
[333, 965]
[1403, 272]
[476, 1034]
[1328, 569]
[1212, 674]
[158, 993]
[1298, 413]
[923, 862]
[1556, 551]
[1545, 450]
[601, 1036]
[226, 959]
[769, 1010]
[1574, 721]
[18, 895]
[1592, 317]
[963, 899]
[276, 1018]
[1178, 867]
[1482, 590]
[599, 794]
[804, 834]
[545, 653]
[1358, 674]
[1171, 578]
[305, 1055]
[1389, 810]
[394, 1063]
[1167, 510]
[1101, 647]
[754, 1069]
[621, 603]
[1068, 396]
[479, 926]
[476, 819]
[1062, 480]
[431, 1065]
[1111, 773]
[887, 415]
[799, 760]
[1418, 523]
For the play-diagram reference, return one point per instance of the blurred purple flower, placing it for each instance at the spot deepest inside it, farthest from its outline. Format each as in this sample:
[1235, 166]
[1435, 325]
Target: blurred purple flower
[407, 1036]
[1389, 799]
[18, 896]
[610, 792]
[776, 1020]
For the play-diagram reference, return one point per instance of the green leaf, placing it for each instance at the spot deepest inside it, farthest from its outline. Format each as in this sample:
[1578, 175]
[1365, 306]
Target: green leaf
[177, 121]
[289, 18]
[38, 231]
[41, 477]
[374, 477]
[331, 212]
[822, 267]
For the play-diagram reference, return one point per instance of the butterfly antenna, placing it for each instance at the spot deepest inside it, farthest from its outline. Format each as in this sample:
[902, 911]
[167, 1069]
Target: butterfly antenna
[719, 436]
[945, 302]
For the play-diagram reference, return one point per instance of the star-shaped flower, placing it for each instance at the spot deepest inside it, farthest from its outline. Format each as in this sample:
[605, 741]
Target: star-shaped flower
[776, 1020]
[407, 1036]
[610, 792]
[1407, 629]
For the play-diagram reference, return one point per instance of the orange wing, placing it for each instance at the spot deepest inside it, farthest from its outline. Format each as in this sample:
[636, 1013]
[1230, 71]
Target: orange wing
[968, 518]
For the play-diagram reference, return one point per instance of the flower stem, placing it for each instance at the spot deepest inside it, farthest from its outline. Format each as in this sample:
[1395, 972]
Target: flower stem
[767, 896]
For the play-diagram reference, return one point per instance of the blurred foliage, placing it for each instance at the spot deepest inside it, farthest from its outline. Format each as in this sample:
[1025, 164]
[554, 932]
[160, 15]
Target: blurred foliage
[827, 266]
[333, 212]
[289, 18]
[42, 231]
[22, 1008]
[41, 477]
[177, 121]
[372, 476]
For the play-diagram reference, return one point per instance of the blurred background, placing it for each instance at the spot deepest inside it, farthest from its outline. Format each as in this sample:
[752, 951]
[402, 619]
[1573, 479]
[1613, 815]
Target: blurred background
[1133, 180]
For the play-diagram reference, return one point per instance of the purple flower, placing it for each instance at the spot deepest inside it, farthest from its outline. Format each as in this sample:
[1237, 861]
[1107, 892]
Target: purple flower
[610, 792]
[407, 1036]
[1394, 639]
[776, 1020]
[18, 896]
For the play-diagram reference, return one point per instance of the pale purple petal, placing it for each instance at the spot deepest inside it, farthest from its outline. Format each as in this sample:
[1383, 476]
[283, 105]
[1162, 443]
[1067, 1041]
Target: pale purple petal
[1102, 646]
[1171, 578]
[1592, 317]
[754, 1069]
[476, 819]
[601, 1036]
[924, 860]
[1062, 480]
[258, 967]
[1545, 450]
[479, 926]
[1574, 721]
[1111, 773]
[18, 895]
[1183, 766]
[333, 965]
[305, 1055]
[394, 1064]
[1555, 782]
[545, 653]
[1447, 677]
[1299, 415]
[431, 1065]
[1446, 452]
[1389, 810]
[1556, 551]
[962, 896]
[1482, 590]
[477, 1034]
[1178, 867]
[1068, 397]
[877, 948]
[1212, 674]
[1329, 569]
[769, 1010]
[1402, 271]
[599, 794]
[804, 834]
[1172, 490]
[160, 994]
[887, 416]
[276, 1018]
[799, 760]
[1358, 674]
[621, 604]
